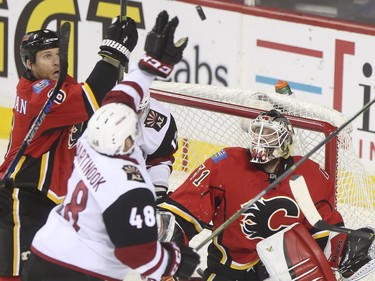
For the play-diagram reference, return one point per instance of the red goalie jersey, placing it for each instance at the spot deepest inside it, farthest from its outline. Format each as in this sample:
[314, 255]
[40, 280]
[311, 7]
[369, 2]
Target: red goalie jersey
[224, 183]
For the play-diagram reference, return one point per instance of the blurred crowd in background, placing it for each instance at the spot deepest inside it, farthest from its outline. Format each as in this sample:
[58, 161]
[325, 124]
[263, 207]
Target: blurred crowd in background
[360, 11]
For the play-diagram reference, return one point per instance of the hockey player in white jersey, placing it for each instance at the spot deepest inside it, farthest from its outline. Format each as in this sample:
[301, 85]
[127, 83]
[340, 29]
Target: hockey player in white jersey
[107, 222]
[158, 140]
[158, 143]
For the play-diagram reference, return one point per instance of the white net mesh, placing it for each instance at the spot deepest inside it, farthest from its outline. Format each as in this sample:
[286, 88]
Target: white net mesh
[203, 132]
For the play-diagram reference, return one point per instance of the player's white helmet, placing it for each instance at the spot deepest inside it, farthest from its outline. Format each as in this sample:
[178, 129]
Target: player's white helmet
[271, 137]
[113, 129]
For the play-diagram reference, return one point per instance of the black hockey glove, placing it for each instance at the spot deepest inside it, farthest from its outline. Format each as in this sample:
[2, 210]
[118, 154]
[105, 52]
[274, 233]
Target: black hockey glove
[6, 190]
[120, 40]
[161, 51]
[161, 193]
[358, 254]
[183, 260]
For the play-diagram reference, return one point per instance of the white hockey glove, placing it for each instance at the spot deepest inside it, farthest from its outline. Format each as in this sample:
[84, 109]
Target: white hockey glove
[161, 51]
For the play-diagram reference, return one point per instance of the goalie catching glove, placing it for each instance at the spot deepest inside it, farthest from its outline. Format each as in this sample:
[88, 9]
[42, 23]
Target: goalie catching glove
[161, 51]
[358, 259]
[119, 41]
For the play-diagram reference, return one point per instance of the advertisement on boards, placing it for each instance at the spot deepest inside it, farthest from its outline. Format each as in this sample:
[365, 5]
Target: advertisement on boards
[240, 47]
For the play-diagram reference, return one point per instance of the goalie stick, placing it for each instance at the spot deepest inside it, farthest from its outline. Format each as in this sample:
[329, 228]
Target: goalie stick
[285, 174]
[63, 53]
[302, 195]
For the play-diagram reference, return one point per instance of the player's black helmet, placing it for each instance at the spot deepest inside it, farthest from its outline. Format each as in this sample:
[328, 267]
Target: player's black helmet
[271, 136]
[35, 41]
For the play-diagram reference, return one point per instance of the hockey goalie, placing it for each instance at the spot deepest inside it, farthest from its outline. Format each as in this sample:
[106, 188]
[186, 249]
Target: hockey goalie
[272, 239]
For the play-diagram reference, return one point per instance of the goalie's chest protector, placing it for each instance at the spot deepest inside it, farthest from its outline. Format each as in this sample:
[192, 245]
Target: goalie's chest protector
[241, 182]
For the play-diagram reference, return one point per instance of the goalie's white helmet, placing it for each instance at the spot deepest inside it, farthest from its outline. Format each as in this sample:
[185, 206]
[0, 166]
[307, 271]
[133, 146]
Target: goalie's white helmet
[113, 129]
[271, 137]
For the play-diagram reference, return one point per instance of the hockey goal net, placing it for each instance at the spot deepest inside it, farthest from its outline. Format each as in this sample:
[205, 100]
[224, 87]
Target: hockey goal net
[212, 117]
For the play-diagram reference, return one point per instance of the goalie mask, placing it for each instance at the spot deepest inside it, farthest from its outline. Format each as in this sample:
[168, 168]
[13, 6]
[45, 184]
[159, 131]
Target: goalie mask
[113, 129]
[36, 41]
[271, 137]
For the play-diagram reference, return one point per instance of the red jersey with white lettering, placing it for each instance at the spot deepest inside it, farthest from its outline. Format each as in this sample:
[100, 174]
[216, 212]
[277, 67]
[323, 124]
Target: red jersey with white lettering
[47, 162]
[224, 183]
[107, 222]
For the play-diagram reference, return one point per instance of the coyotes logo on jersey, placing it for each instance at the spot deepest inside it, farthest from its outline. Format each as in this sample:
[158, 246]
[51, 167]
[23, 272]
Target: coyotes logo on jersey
[155, 120]
[133, 173]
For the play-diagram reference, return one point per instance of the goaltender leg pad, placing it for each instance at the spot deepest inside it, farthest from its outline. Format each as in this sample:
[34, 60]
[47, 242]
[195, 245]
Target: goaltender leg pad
[166, 225]
[292, 254]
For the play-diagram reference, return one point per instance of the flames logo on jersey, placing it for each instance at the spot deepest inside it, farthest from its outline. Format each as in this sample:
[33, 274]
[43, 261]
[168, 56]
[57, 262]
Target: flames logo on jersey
[133, 173]
[75, 133]
[266, 217]
[155, 120]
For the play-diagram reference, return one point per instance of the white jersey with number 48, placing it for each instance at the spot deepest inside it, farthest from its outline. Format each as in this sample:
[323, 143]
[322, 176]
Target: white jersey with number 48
[107, 221]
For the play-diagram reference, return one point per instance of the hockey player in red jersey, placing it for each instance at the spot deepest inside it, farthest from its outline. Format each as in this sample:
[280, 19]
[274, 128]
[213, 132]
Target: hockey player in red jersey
[42, 173]
[224, 183]
[107, 220]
